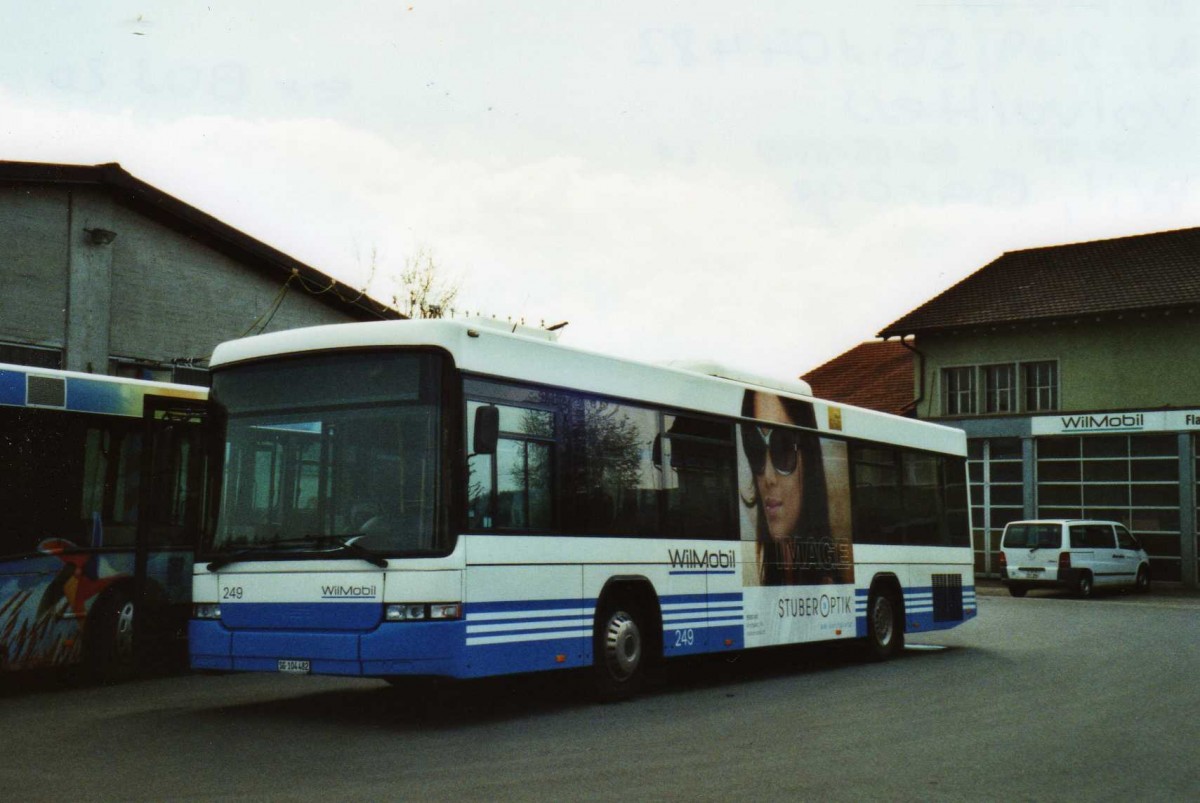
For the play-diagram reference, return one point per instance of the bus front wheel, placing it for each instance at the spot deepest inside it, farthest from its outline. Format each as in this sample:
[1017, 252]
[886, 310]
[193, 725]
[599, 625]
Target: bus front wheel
[619, 651]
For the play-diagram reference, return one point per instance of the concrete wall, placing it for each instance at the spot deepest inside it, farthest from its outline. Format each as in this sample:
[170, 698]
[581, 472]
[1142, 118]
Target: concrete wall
[1134, 363]
[151, 294]
[34, 257]
[173, 297]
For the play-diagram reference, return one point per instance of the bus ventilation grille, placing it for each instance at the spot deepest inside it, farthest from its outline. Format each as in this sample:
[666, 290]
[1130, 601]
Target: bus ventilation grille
[947, 598]
[46, 391]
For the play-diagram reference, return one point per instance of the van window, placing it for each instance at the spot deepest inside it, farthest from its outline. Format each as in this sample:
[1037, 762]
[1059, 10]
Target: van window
[1091, 536]
[1031, 536]
[1125, 539]
[1102, 536]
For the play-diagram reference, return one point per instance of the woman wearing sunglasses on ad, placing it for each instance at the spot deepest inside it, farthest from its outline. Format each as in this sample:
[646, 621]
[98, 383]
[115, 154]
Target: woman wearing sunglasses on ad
[793, 537]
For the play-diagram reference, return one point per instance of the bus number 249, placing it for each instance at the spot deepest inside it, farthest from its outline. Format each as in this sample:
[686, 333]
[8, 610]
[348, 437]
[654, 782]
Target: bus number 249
[685, 638]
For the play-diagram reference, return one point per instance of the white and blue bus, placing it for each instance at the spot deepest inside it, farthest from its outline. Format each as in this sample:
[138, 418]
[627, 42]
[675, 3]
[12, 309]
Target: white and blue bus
[451, 499]
[102, 494]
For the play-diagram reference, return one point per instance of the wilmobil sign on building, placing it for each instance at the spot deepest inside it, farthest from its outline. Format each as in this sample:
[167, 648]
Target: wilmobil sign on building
[1116, 423]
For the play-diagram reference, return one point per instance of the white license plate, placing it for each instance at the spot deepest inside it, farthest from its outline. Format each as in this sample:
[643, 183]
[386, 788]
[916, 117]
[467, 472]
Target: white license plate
[295, 667]
[1031, 574]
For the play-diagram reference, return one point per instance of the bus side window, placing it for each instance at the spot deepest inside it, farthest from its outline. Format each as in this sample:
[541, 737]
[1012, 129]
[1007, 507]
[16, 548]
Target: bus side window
[512, 489]
[110, 482]
[699, 478]
[613, 484]
[41, 461]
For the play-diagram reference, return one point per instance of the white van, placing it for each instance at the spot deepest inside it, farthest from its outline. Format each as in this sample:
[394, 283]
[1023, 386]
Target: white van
[1075, 554]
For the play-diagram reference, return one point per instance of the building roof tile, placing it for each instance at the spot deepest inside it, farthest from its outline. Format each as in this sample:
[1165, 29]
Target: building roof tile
[877, 375]
[1139, 273]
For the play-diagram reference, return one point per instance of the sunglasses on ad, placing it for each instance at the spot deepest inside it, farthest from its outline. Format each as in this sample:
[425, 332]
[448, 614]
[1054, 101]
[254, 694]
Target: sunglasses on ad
[783, 445]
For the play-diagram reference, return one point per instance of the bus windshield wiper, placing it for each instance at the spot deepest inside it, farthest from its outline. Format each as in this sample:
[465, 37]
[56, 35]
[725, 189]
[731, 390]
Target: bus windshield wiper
[249, 552]
[347, 543]
[341, 543]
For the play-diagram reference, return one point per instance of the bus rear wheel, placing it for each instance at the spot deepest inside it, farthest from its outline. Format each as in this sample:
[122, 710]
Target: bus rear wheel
[619, 652]
[885, 624]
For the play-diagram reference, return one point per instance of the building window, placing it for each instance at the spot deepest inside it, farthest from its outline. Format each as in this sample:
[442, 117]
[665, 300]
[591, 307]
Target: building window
[999, 389]
[191, 375]
[30, 355]
[179, 372]
[131, 369]
[958, 390]
[1041, 386]
[1131, 479]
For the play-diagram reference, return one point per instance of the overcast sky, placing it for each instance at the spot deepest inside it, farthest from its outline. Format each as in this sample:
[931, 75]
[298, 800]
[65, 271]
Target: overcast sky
[763, 184]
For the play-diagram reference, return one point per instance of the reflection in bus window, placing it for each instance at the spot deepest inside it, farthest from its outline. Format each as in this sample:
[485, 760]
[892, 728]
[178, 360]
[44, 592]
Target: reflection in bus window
[699, 477]
[513, 489]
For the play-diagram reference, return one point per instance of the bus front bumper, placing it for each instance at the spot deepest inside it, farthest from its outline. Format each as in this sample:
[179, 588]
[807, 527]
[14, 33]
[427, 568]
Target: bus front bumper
[391, 649]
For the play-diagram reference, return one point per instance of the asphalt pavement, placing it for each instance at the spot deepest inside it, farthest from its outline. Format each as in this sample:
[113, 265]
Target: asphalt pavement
[991, 586]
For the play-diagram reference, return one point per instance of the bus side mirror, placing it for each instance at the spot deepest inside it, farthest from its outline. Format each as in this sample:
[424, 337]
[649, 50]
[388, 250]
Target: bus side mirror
[487, 429]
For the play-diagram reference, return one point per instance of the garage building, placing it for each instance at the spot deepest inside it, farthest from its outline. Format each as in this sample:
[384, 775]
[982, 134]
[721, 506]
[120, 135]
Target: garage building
[106, 274]
[1070, 368]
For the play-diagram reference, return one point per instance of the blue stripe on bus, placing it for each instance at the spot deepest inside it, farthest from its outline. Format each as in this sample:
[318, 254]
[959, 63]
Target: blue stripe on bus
[527, 605]
[508, 637]
[528, 656]
[700, 623]
[495, 638]
[735, 596]
[314, 616]
[503, 637]
[12, 388]
[918, 610]
[413, 641]
[394, 648]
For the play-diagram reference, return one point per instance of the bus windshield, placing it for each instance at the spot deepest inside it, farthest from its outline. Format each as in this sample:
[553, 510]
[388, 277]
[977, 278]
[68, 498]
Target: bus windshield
[323, 451]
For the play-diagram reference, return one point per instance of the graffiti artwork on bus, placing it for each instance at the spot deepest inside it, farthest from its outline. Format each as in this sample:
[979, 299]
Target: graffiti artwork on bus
[47, 600]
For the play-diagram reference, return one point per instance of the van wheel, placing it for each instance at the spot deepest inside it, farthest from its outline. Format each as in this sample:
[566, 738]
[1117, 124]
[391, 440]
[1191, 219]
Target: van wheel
[618, 651]
[1017, 591]
[1142, 584]
[885, 624]
[1083, 586]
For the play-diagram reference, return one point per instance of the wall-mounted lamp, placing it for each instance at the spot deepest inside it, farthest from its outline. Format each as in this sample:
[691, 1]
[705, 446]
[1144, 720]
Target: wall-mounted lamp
[101, 236]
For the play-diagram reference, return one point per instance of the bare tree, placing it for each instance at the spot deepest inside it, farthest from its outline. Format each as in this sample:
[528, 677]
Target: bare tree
[420, 290]
[424, 290]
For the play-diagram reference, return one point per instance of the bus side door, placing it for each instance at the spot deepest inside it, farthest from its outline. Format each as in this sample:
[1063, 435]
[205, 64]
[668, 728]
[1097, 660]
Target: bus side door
[175, 501]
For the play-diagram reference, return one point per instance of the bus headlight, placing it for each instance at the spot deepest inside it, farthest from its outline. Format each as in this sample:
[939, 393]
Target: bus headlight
[417, 611]
[206, 610]
[445, 610]
[404, 612]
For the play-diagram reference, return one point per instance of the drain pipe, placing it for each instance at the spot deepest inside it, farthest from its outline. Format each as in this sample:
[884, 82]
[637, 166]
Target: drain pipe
[920, 373]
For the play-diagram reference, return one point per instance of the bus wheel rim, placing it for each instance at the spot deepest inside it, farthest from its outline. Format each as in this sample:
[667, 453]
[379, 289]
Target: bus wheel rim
[622, 646]
[123, 632]
[882, 618]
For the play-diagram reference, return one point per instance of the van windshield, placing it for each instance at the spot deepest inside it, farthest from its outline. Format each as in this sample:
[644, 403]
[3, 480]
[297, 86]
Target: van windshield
[1033, 536]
